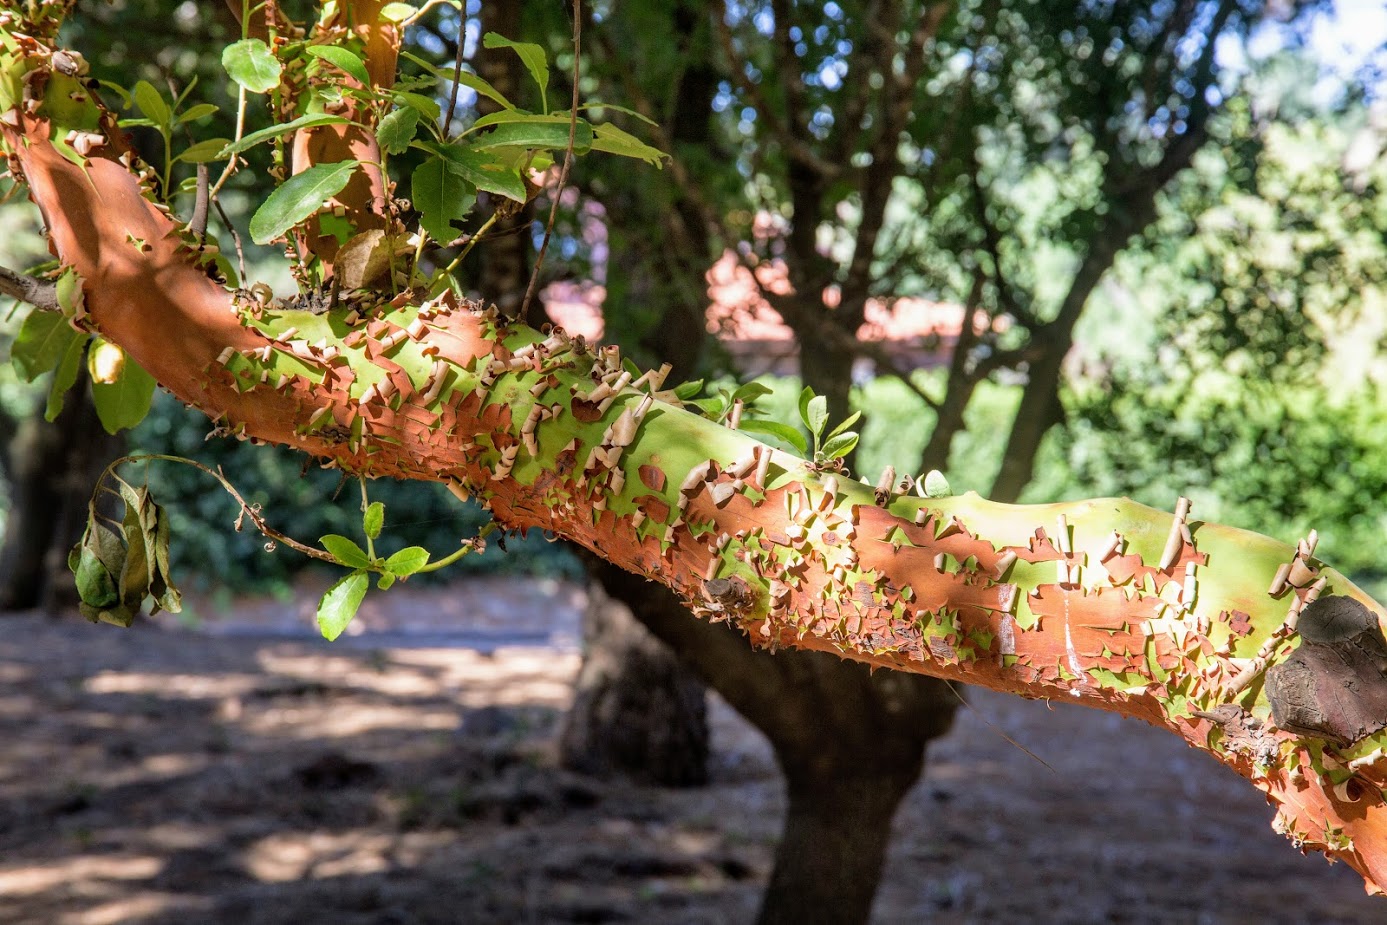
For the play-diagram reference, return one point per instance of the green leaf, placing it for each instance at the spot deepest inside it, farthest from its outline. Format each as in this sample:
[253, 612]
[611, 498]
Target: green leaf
[783, 432]
[839, 445]
[549, 132]
[211, 149]
[385, 580]
[847, 422]
[426, 105]
[152, 104]
[613, 140]
[480, 87]
[373, 520]
[340, 603]
[397, 12]
[43, 341]
[936, 485]
[751, 391]
[818, 415]
[396, 130]
[193, 113]
[125, 402]
[344, 60]
[615, 108]
[481, 170]
[806, 395]
[299, 197]
[533, 57]
[252, 65]
[407, 561]
[68, 370]
[344, 550]
[118, 90]
[283, 128]
[711, 407]
[687, 390]
[442, 197]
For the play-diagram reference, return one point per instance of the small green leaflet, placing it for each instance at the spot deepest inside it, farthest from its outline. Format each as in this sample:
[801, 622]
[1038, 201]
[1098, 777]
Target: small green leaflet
[345, 551]
[343, 60]
[813, 411]
[936, 485]
[340, 603]
[396, 130]
[252, 65]
[193, 113]
[284, 128]
[373, 520]
[299, 197]
[43, 342]
[613, 140]
[533, 57]
[152, 104]
[790, 435]
[397, 12]
[839, 445]
[442, 197]
[407, 561]
[125, 402]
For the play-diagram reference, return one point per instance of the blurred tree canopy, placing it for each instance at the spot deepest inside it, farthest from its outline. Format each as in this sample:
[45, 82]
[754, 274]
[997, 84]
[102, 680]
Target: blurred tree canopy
[1025, 160]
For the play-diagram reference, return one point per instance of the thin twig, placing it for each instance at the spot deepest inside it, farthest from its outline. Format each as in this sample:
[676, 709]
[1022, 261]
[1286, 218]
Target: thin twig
[567, 157]
[235, 239]
[39, 293]
[457, 73]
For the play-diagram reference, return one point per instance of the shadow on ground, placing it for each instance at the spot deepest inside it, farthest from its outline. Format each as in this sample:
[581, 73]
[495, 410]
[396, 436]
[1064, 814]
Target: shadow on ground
[161, 776]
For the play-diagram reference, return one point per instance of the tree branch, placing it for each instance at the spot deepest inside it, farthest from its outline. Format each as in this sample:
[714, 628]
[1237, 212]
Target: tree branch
[40, 293]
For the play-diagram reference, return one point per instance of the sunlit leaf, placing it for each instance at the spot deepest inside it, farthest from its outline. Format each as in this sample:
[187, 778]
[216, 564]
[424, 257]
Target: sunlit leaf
[125, 402]
[251, 64]
[283, 128]
[345, 550]
[299, 197]
[407, 561]
[342, 59]
[340, 604]
[783, 432]
[532, 55]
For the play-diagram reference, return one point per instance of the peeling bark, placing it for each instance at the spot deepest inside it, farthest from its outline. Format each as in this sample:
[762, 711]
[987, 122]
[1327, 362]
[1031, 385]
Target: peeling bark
[1109, 602]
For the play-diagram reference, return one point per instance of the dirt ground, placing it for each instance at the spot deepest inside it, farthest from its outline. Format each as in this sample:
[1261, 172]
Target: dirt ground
[246, 773]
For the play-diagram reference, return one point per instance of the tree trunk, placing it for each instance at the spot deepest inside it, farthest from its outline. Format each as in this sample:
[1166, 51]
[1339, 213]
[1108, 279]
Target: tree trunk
[636, 710]
[849, 742]
[837, 829]
[53, 469]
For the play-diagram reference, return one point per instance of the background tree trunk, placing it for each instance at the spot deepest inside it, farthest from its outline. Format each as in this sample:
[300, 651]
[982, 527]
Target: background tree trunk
[53, 468]
[636, 710]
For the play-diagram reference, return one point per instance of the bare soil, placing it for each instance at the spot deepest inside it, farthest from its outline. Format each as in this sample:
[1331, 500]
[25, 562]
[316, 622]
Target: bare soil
[243, 772]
